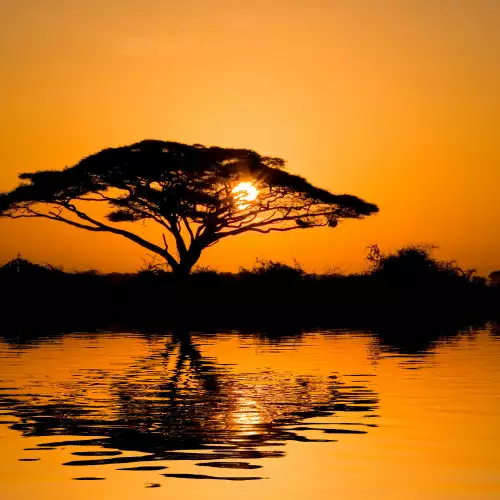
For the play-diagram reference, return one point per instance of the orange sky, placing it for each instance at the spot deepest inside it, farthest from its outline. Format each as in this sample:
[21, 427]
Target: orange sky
[395, 101]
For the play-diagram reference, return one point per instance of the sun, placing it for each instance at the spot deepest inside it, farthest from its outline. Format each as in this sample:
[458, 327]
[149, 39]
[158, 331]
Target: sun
[244, 193]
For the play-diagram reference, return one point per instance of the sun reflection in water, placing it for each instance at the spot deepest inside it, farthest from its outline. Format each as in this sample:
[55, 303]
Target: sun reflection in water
[247, 416]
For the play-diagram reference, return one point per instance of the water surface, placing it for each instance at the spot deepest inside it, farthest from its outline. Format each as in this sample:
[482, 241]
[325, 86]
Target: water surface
[339, 414]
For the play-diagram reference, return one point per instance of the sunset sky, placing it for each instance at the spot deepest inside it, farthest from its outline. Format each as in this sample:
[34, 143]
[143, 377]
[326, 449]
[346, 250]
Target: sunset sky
[395, 101]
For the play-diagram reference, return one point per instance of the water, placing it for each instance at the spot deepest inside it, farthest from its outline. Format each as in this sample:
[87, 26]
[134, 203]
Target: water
[324, 415]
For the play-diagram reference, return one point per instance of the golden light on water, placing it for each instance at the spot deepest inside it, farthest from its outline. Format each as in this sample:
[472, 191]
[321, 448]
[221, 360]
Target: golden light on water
[245, 192]
[247, 417]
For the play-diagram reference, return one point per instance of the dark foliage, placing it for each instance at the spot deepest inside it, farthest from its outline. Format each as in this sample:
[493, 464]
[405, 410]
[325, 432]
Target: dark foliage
[391, 299]
[494, 278]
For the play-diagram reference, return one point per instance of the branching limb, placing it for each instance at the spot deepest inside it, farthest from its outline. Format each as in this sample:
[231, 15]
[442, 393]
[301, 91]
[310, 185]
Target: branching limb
[122, 232]
[188, 227]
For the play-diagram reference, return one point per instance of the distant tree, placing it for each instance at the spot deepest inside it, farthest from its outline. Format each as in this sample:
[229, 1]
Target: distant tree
[415, 262]
[25, 267]
[274, 271]
[196, 195]
[494, 278]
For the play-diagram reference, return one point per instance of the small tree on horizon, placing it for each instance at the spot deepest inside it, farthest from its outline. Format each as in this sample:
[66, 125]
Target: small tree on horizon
[494, 278]
[414, 260]
[195, 195]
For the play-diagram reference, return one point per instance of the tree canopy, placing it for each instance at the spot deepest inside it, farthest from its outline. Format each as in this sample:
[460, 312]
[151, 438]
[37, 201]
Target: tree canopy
[416, 263]
[494, 278]
[196, 196]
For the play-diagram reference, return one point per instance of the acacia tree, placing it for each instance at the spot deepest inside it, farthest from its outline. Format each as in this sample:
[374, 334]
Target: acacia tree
[195, 195]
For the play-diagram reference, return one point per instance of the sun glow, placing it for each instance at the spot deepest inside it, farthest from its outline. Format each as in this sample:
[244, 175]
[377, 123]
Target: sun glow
[248, 417]
[245, 192]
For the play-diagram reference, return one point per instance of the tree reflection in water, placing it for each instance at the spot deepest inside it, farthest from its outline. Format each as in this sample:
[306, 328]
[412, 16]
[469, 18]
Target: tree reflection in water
[177, 405]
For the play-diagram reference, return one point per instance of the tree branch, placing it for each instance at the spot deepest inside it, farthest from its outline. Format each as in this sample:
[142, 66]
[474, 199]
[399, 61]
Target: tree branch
[126, 234]
[256, 226]
[188, 227]
[281, 229]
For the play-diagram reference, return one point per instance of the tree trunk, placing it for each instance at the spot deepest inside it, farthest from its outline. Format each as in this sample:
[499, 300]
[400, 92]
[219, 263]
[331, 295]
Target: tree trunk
[183, 297]
[182, 270]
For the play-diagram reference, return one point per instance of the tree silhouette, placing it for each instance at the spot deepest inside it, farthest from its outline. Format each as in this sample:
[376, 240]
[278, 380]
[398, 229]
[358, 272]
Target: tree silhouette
[413, 262]
[494, 278]
[196, 195]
